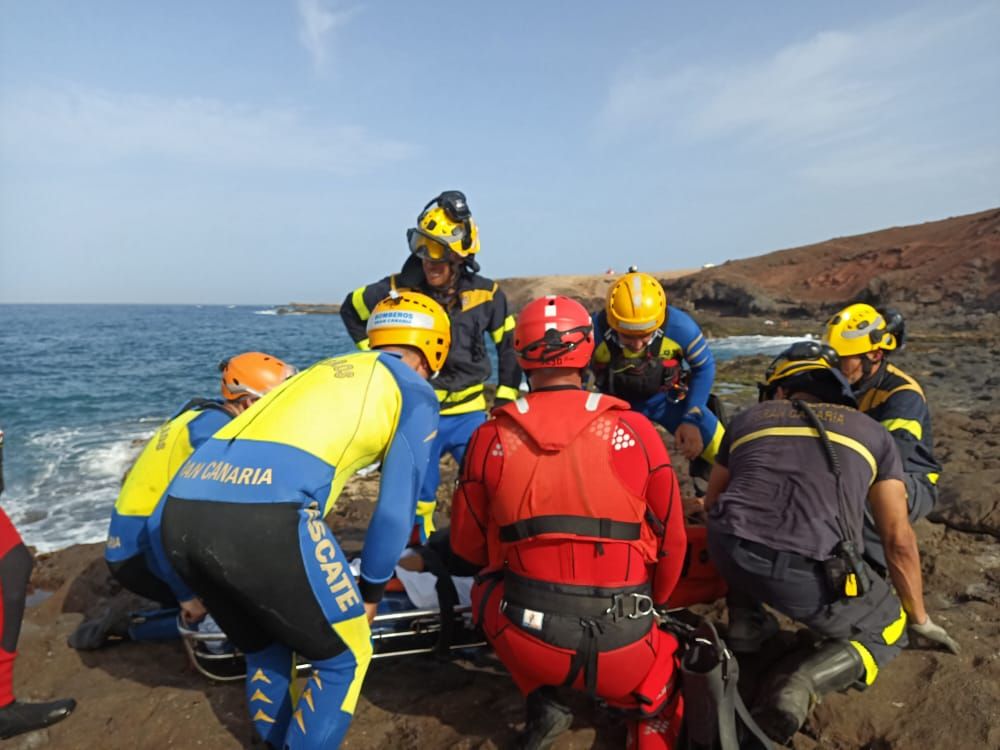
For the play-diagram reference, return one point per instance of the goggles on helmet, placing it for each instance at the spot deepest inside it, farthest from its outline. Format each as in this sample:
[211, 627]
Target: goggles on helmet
[555, 344]
[786, 364]
[427, 248]
[805, 351]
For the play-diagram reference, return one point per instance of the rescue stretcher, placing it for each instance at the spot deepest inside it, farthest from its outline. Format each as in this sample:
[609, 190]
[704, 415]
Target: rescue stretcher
[399, 629]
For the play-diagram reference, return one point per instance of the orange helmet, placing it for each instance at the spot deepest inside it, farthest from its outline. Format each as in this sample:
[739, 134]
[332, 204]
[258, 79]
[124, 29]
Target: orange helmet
[636, 304]
[252, 374]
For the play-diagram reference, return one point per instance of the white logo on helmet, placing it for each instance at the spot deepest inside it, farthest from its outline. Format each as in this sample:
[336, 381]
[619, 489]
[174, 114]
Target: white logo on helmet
[400, 319]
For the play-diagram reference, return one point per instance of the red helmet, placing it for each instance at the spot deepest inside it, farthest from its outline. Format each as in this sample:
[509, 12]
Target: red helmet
[553, 331]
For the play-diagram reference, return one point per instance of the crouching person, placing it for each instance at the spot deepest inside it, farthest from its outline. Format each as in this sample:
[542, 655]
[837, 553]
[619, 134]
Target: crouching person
[786, 502]
[242, 523]
[570, 509]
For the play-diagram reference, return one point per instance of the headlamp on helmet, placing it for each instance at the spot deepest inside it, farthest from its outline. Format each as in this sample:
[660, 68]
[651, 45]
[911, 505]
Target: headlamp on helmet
[445, 230]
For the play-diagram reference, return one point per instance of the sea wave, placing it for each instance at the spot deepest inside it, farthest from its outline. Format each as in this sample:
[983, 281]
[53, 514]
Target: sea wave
[742, 346]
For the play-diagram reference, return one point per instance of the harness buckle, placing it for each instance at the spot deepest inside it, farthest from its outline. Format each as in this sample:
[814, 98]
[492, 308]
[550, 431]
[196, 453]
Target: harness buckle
[632, 606]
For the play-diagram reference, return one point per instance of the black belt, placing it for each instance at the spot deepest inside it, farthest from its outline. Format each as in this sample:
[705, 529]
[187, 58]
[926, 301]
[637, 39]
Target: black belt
[795, 560]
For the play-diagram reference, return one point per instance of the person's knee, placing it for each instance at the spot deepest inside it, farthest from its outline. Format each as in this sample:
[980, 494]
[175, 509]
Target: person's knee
[15, 572]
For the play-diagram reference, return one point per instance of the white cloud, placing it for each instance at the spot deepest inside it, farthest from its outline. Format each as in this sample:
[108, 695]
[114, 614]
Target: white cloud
[317, 22]
[835, 86]
[79, 125]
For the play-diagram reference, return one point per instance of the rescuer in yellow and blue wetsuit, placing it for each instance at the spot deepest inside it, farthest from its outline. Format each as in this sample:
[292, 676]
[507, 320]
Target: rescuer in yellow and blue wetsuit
[642, 345]
[244, 379]
[242, 524]
[863, 338]
[443, 266]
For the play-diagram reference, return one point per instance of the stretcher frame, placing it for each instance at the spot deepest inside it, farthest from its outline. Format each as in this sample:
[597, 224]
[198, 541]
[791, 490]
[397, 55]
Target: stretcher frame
[418, 623]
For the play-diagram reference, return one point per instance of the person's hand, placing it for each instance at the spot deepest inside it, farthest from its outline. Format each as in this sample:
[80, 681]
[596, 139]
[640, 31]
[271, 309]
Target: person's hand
[688, 440]
[935, 633]
[193, 611]
[370, 609]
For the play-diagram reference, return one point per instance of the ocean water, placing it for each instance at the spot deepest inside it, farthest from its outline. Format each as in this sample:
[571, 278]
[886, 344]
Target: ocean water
[81, 386]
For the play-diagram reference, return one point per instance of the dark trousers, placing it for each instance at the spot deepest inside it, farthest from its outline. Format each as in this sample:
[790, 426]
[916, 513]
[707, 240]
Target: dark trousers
[798, 588]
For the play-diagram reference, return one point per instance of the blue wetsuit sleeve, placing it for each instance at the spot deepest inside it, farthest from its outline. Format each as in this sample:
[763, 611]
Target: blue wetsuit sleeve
[402, 474]
[157, 558]
[206, 424]
[697, 353]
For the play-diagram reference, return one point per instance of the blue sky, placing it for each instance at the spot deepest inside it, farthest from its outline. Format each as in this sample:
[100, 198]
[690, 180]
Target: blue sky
[259, 152]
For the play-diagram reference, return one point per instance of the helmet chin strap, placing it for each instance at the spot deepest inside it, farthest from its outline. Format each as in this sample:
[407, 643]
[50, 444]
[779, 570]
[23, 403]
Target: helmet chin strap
[869, 369]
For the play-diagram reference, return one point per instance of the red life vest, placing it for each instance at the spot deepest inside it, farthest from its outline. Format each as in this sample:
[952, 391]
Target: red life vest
[560, 510]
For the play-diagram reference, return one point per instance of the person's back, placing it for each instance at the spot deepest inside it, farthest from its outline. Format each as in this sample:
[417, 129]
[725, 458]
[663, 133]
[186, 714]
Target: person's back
[569, 507]
[242, 524]
[780, 492]
[303, 442]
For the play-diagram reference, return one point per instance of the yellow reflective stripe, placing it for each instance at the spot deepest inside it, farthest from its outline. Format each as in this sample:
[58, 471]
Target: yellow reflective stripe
[475, 404]
[358, 300]
[507, 392]
[835, 437]
[454, 402]
[713, 446]
[357, 635]
[912, 426]
[425, 517]
[871, 668]
[892, 632]
[364, 345]
[933, 477]
[508, 325]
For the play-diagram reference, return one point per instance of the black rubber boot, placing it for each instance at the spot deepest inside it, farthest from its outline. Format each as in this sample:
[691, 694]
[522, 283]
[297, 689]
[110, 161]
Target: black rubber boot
[18, 718]
[547, 719]
[94, 634]
[798, 687]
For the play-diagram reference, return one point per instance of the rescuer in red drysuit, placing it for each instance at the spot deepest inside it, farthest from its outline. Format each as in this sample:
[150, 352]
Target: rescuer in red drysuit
[569, 507]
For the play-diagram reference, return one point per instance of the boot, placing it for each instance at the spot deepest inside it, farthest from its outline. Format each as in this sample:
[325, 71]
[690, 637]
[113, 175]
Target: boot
[834, 666]
[749, 628]
[547, 719]
[91, 635]
[17, 718]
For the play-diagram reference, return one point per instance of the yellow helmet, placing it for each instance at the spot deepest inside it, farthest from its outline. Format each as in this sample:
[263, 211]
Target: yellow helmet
[857, 329]
[636, 304]
[445, 226]
[412, 319]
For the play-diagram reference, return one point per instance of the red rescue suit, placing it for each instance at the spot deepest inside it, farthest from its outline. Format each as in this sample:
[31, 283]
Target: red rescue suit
[568, 502]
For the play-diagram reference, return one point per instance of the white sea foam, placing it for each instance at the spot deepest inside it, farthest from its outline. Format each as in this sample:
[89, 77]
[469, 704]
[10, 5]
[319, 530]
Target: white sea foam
[270, 311]
[741, 346]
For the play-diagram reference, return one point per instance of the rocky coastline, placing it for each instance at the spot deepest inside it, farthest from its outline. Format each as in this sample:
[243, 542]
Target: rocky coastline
[148, 696]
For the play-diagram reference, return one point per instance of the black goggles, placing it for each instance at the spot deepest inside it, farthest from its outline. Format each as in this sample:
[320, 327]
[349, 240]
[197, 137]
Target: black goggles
[805, 351]
[554, 344]
[454, 204]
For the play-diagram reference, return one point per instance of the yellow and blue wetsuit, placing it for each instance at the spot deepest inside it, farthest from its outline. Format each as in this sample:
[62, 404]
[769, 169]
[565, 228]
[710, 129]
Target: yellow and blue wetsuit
[127, 550]
[242, 525]
[637, 377]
